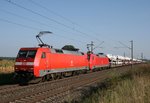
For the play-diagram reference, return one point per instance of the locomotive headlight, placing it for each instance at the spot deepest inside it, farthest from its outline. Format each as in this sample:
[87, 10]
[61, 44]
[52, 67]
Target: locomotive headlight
[16, 69]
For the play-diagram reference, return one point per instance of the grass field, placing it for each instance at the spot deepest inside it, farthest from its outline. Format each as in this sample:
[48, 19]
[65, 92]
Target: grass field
[7, 66]
[133, 87]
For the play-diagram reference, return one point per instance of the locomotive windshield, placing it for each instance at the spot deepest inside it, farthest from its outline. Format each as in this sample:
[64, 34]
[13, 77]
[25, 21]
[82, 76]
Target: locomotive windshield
[26, 54]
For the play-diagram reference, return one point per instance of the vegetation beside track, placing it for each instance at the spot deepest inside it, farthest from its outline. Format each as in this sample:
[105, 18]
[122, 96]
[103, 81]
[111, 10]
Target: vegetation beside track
[132, 87]
[6, 65]
[6, 70]
[7, 78]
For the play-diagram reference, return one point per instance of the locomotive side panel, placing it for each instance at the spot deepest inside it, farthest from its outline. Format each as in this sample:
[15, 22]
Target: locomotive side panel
[47, 62]
[102, 61]
[67, 62]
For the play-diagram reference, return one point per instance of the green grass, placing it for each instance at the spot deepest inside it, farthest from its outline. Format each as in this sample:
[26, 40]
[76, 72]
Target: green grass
[132, 87]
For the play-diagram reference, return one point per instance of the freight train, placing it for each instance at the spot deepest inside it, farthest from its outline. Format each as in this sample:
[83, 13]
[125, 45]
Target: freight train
[45, 62]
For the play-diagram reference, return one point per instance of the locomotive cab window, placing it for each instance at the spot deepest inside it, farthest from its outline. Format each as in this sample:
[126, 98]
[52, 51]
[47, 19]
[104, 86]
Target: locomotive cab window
[31, 54]
[26, 54]
[43, 55]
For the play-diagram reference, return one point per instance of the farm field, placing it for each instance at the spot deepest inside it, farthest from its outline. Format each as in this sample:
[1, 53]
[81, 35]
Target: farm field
[7, 66]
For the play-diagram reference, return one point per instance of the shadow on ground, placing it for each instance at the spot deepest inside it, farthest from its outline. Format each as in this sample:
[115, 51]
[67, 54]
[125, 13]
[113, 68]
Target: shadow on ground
[7, 79]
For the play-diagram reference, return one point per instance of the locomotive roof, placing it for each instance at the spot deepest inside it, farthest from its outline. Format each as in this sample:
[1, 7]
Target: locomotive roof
[29, 48]
[53, 50]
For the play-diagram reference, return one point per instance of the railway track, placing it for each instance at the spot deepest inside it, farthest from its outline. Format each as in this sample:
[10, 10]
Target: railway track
[55, 91]
[7, 87]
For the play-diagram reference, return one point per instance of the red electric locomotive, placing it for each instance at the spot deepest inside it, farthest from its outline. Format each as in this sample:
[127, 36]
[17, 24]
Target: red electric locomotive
[40, 62]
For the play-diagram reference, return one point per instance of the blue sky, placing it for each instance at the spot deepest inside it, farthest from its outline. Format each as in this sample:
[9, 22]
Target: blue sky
[76, 22]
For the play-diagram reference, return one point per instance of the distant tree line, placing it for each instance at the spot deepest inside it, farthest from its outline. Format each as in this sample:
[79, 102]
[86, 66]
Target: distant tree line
[7, 58]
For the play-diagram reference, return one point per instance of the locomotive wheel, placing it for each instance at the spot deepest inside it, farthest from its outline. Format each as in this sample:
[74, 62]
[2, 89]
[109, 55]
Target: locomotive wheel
[54, 77]
[76, 73]
[84, 71]
[60, 75]
[43, 79]
[48, 77]
[73, 73]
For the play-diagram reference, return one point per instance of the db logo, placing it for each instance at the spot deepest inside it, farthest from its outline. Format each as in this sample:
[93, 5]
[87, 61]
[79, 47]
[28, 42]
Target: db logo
[71, 63]
[24, 63]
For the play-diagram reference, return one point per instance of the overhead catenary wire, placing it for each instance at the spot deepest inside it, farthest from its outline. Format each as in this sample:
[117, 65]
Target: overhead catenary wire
[32, 20]
[22, 25]
[22, 17]
[66, 19]
[62, 36]
[98, 46]
[124, 45]
[63, 17]
[33, 28]
[39, 5]
[34, 12]
[53, 20]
